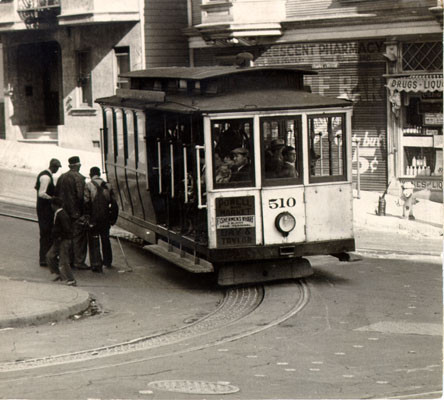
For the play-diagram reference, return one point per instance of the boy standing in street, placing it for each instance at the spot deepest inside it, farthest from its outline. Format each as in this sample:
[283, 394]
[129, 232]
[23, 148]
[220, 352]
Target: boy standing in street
[58, 256]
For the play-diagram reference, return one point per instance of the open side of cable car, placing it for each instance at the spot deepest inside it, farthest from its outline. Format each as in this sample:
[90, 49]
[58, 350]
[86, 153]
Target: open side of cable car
[237, 171]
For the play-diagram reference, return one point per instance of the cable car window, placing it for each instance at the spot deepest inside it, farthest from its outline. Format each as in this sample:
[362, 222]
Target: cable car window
[119, 134]
[131, 138]
[107, 134]
[282, 150]
[327, 148]
[233, 158]
[141, 150]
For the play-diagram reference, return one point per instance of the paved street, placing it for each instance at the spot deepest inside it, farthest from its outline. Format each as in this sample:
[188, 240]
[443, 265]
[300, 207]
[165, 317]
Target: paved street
[370, 329]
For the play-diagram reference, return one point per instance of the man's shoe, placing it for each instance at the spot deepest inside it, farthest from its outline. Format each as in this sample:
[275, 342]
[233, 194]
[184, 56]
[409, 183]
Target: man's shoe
[108, 266]
[57, 278]
[43, 264]
[97, 269]
[82, 266]
[71, 283]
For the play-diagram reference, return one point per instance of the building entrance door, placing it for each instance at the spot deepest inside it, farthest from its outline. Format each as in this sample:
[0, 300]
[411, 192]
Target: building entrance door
[39, 67]
[51, 93]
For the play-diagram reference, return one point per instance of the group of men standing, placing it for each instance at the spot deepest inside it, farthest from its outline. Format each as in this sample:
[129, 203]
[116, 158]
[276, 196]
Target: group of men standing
[73, 214]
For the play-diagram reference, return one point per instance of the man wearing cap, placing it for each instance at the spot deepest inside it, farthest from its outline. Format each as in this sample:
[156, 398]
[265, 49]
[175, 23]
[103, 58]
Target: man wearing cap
[45, 192]
[70, 188]
[241, 165]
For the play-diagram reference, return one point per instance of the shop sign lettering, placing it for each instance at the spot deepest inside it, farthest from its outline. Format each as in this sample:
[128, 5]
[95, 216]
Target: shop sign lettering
[425, 184]
[322, 53]
[419, 83]
[367, 161]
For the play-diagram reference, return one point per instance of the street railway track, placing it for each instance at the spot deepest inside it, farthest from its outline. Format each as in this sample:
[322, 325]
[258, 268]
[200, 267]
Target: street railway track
[244, 311]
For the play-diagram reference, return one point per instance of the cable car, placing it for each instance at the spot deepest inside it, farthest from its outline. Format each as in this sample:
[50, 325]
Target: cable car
[236, 171]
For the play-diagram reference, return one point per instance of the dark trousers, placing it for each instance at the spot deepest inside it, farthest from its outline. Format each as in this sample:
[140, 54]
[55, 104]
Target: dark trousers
[58, 259]
[79, 243]
[99, 236]
[45, 216]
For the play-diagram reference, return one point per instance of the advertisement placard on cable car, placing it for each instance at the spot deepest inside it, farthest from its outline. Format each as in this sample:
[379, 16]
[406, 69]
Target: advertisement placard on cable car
[235, 221]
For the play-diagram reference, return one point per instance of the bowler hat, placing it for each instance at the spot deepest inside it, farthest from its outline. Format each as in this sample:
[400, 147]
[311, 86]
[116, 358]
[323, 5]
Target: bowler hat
[74, 160]
[55, 163]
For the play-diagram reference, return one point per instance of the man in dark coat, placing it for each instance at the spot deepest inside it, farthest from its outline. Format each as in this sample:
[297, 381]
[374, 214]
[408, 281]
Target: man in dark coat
[99, 205]
[70, 188]
[45, 191]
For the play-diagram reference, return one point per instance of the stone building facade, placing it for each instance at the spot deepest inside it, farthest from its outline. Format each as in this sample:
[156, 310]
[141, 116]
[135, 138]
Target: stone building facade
[60, 55]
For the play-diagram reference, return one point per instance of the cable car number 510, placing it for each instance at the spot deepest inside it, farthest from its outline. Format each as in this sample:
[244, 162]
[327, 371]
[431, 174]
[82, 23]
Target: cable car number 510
[282, 203]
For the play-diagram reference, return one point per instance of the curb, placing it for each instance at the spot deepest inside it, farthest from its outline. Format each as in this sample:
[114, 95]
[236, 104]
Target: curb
[54, 314]
[434, 258]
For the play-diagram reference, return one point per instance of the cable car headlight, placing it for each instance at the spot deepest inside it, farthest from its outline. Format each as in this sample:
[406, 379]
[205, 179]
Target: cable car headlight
[285, 223]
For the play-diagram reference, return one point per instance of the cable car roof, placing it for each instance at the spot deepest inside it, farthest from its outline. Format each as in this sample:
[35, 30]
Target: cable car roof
[269, 99]
[198, 73]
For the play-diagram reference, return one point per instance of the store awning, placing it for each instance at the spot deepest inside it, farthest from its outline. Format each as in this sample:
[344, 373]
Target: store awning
[418, 83]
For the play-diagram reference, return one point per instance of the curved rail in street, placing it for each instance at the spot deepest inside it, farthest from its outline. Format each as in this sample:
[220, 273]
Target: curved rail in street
[244, 311]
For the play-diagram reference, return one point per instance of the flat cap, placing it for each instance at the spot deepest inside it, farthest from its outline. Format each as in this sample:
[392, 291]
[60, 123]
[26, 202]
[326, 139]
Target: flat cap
[240, 150]
[277, 143]
[74, 160]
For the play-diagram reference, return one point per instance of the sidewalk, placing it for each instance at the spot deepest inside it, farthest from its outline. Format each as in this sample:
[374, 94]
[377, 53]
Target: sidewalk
[392, 234]
[29, 303]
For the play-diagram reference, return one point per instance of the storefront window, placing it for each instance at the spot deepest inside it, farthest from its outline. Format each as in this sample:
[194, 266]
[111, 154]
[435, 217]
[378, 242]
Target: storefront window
[422, 120]
[327, 148]
[233, 157]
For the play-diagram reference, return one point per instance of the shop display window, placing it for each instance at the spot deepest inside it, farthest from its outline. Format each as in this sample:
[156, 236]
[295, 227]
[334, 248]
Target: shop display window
[422, 134]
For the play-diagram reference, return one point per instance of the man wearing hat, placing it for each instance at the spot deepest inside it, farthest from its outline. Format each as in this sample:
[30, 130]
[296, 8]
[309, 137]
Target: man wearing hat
[241, 165]
[45, 192]
[70, 188]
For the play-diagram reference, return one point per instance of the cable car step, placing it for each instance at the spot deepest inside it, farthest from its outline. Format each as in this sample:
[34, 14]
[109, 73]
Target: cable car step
[180, 258]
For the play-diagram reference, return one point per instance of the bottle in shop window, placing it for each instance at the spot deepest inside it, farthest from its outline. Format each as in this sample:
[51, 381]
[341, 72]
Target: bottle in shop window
[414, 162]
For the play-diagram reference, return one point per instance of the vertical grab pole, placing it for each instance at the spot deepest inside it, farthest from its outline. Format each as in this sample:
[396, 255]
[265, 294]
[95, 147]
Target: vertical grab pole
[358, 179]
[199, 181]
[159, 164]
[338, 137]
[185, 171]
[172, 168]
[359, 174]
